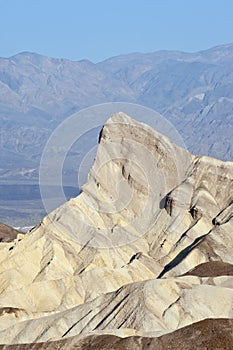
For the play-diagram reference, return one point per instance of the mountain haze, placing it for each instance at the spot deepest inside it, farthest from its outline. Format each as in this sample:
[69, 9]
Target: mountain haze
[192, 90]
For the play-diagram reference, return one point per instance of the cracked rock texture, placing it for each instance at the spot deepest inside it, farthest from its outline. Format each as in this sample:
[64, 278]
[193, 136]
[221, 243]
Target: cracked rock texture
[144, 250]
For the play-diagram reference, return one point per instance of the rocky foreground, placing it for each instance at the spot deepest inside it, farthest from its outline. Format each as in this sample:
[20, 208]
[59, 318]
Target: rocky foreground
[141, 259]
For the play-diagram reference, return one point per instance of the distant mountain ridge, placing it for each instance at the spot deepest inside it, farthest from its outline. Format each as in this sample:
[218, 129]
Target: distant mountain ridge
[193, 90]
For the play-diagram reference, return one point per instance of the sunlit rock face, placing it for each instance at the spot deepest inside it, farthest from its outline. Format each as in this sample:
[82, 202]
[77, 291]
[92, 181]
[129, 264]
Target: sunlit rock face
[110, 260]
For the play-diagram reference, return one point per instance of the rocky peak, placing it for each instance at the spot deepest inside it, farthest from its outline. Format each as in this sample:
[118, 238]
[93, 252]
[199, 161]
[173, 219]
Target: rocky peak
[110, 260]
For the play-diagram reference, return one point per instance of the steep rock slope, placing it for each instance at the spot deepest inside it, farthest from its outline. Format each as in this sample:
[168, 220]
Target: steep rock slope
[37, 93]
[110, 259]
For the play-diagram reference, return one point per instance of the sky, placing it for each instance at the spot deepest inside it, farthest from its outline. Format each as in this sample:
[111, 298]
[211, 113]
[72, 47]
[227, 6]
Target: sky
[100, 29]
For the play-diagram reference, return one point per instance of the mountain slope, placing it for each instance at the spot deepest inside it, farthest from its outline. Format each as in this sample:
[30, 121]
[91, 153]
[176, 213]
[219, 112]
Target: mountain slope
[7, 233]
[37, 93]
[208, 333]
[194, 91]
[110, 259]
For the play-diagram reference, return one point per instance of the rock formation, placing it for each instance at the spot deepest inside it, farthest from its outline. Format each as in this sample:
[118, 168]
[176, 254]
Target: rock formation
[7, 233]
[207, 334]
[143, 251]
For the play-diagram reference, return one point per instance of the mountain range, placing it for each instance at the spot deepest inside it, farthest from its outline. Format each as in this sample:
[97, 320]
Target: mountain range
[194, 91]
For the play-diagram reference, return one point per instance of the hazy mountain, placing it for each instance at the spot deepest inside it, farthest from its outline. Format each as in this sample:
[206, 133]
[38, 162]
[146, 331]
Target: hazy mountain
[193, 90]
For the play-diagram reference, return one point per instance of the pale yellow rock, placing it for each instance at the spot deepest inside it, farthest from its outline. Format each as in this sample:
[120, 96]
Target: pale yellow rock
[149, 210]
[150, 308]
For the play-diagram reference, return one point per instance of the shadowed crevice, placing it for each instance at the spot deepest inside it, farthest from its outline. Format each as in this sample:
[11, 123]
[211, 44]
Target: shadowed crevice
[182, 255]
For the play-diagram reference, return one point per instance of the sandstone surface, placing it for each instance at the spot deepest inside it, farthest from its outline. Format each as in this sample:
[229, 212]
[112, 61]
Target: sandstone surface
[144, 250]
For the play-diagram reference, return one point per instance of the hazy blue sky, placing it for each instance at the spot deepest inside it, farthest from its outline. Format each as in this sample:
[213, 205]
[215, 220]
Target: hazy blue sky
[99, 29]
